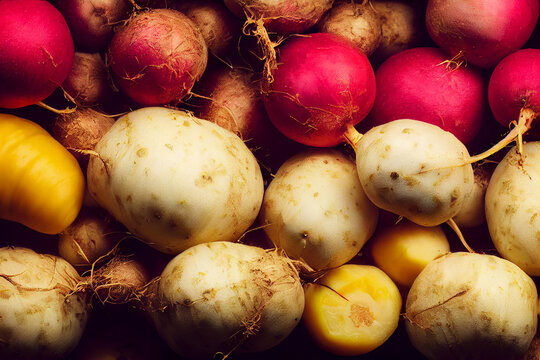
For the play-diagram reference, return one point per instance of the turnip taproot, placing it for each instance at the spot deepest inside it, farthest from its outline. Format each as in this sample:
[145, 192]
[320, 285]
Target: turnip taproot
[352, 309]
[511, 205]
[42, 185]
[37, 51]
[175, 180]
[157, 57]
[322, 86]
[43, 317]
[421, 84]
[483, 31]
[472, 306]
[220, 297]
[315, 209]
[414, 169]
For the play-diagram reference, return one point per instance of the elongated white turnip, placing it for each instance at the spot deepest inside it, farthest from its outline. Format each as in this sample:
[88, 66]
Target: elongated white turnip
[315, 209]
[483, 31]
[421, 84]
[221, 297]
[37, 51]
[157, 57]
[43, 317]
[322, 86]
[175, 180]
[472, 306]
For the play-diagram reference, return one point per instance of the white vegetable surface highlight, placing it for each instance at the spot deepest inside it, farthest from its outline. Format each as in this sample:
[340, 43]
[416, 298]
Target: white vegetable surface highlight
[42, 317]
[472, 306]
[220, 297]
[512, 207]
[174, 180]
[414, 169]
[316, 210]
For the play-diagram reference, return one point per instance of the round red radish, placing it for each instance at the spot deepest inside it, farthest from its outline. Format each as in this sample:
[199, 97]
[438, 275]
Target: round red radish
[157, 57]
[418, 84]
[483, 30]
[323, 85]
[92, 21]
[36, 51]
[514, 85]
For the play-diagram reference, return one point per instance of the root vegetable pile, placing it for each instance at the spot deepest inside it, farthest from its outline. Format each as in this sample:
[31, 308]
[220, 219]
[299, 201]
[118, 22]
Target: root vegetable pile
[239, 179]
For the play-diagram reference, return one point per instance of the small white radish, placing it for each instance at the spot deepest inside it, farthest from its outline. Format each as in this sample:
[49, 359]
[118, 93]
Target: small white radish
[42, 315]
[220, 297]
[315, 209]
[174, 180]
[414, 169]
[472, 306]
[512, 199]
[473, 211]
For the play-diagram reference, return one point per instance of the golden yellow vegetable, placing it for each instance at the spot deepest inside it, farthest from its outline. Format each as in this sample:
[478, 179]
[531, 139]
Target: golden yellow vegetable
[352, 309]
[41, 183]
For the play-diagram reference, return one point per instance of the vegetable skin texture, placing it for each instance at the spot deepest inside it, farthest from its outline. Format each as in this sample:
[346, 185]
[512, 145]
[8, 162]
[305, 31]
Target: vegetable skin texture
[37, 51]
[404, 249]
[352, 309]
[281, 16]
[469, 306]
[418, 84]
[316, 211]
[511, 206]
[157, 57]
[414, 169]
[514, 85]
[322, 86]
[485, 31]
[224, 296]
[43, 317]
[175, 180]
[42, 185]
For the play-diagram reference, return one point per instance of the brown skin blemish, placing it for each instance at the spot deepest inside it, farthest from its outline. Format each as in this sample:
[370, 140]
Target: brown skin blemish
[394, 175]
[361, 315]
[142, 152]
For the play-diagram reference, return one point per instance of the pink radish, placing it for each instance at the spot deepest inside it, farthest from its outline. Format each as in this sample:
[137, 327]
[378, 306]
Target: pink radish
[484, 31]
[323, 85]
[37, 51]
[421, 84]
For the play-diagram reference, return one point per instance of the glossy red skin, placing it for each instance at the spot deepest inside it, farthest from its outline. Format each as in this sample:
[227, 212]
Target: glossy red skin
[323, 85]
[92, 22]
[157, 57]
[36, 51]
[485, 30]
[414, 84]
[515, 84]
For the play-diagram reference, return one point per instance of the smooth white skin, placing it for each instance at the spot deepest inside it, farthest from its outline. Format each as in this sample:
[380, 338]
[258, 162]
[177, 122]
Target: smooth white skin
[512, 208]
[472, 306]
[315, 209]
[41, 315]
[414, 169]
[213, 292]
[174, 180]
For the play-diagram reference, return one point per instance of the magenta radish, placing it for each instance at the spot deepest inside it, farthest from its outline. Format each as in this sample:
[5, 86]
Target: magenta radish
[421, 84]
[483, 31]
[92, 22]
[157, 57]
[323, 85]
[37, 51]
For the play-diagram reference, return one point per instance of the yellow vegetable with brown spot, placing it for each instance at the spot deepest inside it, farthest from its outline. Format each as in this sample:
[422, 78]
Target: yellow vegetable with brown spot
[41, 183]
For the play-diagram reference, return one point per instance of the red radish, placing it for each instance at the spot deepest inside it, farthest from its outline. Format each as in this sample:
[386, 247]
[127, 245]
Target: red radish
[157, 57]
[323, 86]
[484, 31]
[37, 51]
[420, 84]
[515, 85]
[92, 21]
